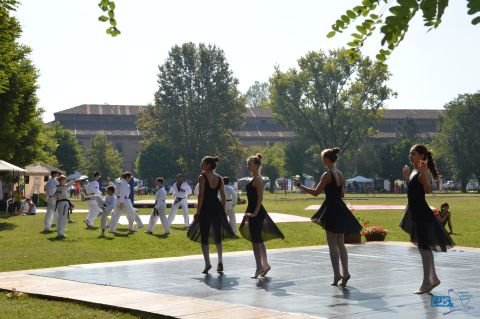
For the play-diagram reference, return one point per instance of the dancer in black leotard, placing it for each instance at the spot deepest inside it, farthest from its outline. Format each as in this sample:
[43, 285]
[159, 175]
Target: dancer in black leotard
[334, 215]
[210, 225]
[256, 225]
[419, 221]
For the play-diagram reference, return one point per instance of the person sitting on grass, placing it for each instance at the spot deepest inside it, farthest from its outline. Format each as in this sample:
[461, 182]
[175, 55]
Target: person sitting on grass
[29, 208]
[445, 217]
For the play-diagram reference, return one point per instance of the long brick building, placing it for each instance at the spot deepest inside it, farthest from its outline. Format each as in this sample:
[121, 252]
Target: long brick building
[118, 122]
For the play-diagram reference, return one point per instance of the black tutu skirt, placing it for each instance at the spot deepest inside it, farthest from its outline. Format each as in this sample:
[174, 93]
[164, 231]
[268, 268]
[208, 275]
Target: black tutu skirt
[335, 217]
[260, 228]
[426, 234]
[208, 230]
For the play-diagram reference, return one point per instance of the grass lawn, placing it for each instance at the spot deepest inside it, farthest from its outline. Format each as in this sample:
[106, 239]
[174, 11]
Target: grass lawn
[32, 307]
[23, 245]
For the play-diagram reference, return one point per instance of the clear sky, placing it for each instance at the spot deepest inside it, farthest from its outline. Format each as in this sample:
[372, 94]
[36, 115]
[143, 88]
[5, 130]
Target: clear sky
[80, 64]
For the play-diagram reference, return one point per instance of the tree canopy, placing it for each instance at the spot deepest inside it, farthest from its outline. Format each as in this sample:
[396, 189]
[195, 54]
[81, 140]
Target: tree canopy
[23, 135]
[330, 101]
[393, 18]
[69, 153]
[197, 107]
[156, 160]
[103, 157]
[458, 139]
[257, 94]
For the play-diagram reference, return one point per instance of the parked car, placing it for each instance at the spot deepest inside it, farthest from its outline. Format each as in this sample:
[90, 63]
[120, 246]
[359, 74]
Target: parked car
[449, 186]
[472, 186]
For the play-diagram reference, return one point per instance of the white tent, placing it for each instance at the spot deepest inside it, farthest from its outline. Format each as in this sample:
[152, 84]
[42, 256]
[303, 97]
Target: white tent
[39, 174]
[41, 169]
[7, 167]
[360, 179]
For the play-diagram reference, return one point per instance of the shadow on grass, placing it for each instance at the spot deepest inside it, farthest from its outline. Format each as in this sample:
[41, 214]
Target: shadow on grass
[105, 238]
[161, 236]
[7, 226]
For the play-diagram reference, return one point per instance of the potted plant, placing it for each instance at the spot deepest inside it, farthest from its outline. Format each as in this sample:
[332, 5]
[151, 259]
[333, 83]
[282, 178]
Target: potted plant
[374, 233]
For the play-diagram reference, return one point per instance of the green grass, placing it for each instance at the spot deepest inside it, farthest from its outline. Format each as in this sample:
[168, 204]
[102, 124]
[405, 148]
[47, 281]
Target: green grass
[32, 307]
[24, 246]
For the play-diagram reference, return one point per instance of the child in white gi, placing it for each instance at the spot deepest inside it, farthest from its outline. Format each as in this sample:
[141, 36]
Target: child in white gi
[109, 205]
[159, 209]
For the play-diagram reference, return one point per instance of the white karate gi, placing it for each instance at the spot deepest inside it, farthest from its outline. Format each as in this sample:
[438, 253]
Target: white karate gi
[159, 211]
[232, 197]
[180, 193]
[62, 206]
[50, 190]
[122, 190]
[94, 194]
[109, 205]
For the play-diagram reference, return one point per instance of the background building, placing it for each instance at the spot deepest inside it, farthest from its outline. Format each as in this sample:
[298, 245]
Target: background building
[118, 123]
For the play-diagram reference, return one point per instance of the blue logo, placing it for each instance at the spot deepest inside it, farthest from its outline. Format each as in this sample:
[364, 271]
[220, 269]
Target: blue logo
[456, 301]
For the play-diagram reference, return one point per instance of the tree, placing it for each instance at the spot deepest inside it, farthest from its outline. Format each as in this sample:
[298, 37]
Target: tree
[301, 157]
[363, 161]
[197, 107]
[329, 101]
[69, 152]
[103, 157]
[273, 162]
[395, 25]
[257, 94]
[156, 160]
[23, 136]
[458, 138]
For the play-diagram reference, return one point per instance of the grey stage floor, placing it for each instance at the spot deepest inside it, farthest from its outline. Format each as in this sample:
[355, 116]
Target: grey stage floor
[383, 280]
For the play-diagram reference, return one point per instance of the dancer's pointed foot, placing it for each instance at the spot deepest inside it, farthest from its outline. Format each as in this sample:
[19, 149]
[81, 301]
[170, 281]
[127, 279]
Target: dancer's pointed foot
[336, 280]
[423, 289]
[265, 271]
[207, 268]
[345, 279]
[257, 273]
[220, 267]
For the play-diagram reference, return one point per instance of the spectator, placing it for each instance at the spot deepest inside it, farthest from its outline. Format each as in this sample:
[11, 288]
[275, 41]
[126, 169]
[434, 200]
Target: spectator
[445, 217]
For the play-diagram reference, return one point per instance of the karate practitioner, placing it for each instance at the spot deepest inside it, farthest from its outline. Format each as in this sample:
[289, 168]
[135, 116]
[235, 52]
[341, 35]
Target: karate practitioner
[180, 191]
[94, 197]
[159, 209]
[109, 204]
[138, 220]
[62, 204]
[122, 191]
[50, 190]
[232, 197]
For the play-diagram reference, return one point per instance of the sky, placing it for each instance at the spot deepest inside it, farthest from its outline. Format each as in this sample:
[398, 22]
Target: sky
[80, 64]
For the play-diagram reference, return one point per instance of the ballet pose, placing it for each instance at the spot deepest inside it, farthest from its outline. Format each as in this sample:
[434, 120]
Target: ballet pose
[334, 215]
[419, 221]
[257, 226]
[210, 225]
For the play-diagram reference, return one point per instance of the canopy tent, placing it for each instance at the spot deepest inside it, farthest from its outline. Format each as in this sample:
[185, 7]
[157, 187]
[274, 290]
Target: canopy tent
[7, 167]
[41, 169]
[360, 179]
[37, 175]
[16, 172]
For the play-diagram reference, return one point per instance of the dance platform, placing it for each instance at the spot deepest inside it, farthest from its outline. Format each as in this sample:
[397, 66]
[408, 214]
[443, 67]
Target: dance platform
[384, 277]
